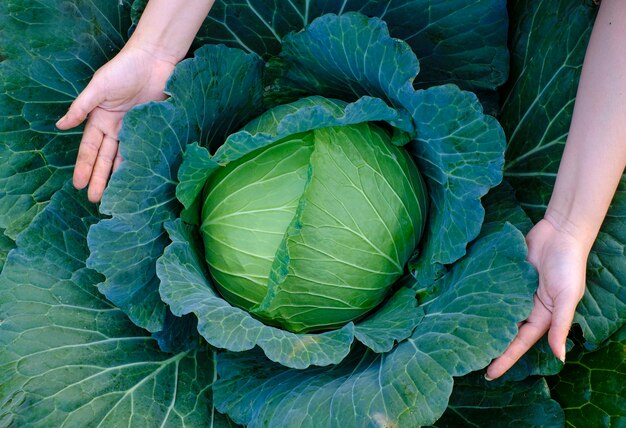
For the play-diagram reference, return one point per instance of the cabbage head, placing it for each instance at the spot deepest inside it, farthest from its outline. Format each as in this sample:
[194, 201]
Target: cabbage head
[312, 231]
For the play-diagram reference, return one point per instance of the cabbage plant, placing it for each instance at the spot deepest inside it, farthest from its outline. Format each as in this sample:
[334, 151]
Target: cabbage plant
[385, 265]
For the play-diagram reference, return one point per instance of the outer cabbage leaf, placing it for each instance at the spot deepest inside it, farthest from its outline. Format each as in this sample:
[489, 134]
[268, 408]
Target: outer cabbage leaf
[477, 403]
[539, 99]
[346, 56]
[70, 358]
[536, 114]
[211, 96]
[459, 41]
[460, 152]
[458, 148]
[501, 206]
[592, 386]
[50, 51]
[462, 330]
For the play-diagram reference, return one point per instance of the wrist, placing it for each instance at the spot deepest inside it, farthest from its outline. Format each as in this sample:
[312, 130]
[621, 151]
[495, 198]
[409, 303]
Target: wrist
[565, 221]
[167, 28]
[153, 49]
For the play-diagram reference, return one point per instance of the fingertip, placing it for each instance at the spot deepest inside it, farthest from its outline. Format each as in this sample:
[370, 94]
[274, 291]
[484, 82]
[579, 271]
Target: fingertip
[81, 176]
[490, 374]
[557, 336]
[71, 120]
[60, 123]
[496, 369]
[559, 350]
[78, 184]
[94, 193]
[557, 342]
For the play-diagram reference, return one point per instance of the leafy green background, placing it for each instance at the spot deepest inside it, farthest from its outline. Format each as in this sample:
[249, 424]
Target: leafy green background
[592, 386]
[6, 245]
[50, 50]
[68, 357]
[476, 403]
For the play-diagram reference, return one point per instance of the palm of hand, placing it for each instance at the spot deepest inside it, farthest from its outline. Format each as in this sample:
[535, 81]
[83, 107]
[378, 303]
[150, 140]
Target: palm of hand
[560, 260]
[560, 264]
[131, 78]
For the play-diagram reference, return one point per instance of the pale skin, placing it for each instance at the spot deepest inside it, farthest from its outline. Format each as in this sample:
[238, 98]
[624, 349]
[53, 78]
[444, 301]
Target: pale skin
[558, 246]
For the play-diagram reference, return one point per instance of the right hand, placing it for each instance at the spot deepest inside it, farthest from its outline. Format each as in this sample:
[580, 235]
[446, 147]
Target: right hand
[133, 76]
[561, 261]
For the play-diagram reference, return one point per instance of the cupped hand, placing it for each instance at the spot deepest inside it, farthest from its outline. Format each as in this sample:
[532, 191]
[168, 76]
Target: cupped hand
[132, 77]
[560, 259]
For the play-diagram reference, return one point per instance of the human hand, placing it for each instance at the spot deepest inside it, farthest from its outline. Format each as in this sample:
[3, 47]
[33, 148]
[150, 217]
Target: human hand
[561, 259]
[134, 76]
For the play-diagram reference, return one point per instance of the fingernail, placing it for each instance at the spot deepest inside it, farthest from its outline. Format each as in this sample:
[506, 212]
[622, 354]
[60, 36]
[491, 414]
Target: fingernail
[60, 121]
[487, 378]
[562, 354]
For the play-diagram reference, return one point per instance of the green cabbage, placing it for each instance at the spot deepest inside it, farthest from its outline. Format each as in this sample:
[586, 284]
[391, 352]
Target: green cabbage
[312, 231]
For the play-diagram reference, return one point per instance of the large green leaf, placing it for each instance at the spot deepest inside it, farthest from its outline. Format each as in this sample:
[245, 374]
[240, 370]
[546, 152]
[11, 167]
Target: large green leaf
[460, 151]
[477, 403]
[501, 206]
[70, 358]
[346, 57]
[539, 98]
[592, 386]
[458, 41]
[536, 113]
[470, 322]
[211, 96]
[50, 50]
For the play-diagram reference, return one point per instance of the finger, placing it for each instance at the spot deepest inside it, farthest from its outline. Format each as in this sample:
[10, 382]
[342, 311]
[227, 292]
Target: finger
[102, 169]
[559, 329]
[529, 333]
[86, 101]
[118, 160]
[87, 155]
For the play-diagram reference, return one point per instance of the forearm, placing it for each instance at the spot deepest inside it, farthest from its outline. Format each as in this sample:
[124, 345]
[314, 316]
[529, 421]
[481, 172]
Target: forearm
[167, 27]
[595, 153]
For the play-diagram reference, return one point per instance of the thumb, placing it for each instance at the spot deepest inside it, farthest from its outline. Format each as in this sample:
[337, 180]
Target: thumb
[84, 104]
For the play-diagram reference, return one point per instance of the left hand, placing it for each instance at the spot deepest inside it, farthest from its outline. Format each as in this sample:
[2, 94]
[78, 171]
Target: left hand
[561, 260]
